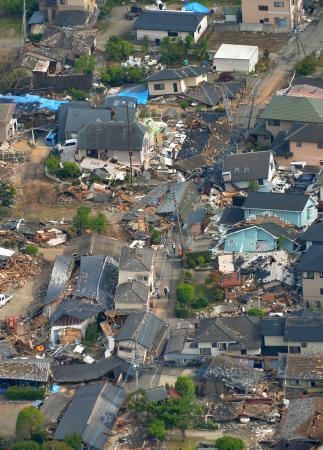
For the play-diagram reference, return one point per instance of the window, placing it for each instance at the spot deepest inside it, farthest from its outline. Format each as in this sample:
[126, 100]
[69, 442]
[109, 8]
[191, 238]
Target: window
[222, 346]
[199, 28]
[260, 181]
[303, 344]
[321, 274]
[294, 349]
[312, 383]
[308, 275]
[274, 122]
[321, 291]
[236, 171]
[298, 144]
[205, 351]
[294, 382]
[175, 87]
[172, 34]
[279, 4]
[193, 345]
[231, 241]
[320, 145]
[263, 8]
[159, 87]
[266, 20]
[214, 344]
[246, 170]
[251, 243]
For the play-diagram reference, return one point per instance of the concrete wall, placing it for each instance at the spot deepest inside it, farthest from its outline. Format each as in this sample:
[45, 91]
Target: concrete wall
[312, 348]
[132, 306]
[311, 289]
[135, 351]
[281, 17]
[121, 156]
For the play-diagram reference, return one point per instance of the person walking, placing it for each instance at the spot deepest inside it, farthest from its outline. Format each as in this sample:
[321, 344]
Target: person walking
[174, 247]
[158, 293]
[166, 291]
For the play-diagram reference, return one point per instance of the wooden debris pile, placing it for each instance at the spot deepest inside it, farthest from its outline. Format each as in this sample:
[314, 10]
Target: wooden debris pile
[21, 269]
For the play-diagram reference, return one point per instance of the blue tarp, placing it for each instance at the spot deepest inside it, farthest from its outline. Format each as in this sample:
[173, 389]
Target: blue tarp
[44, 103]
[138, 91]
[196, 7]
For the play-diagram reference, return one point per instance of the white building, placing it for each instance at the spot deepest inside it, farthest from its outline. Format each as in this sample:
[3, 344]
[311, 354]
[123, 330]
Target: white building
[235, 58]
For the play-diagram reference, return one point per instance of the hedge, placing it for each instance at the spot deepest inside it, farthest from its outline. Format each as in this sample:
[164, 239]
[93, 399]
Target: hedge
[25, 393]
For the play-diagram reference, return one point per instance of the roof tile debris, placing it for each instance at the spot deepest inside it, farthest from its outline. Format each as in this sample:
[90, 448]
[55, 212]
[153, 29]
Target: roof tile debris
[25, 369]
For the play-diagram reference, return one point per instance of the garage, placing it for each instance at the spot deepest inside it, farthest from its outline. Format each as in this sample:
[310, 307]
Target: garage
[235, 58]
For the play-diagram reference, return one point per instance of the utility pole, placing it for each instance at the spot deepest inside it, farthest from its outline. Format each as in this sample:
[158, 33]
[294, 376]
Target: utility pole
[129, 142]
[24, 30]
[179, 229]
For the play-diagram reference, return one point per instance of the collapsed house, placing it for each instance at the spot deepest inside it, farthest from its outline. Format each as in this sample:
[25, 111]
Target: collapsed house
[303, 372]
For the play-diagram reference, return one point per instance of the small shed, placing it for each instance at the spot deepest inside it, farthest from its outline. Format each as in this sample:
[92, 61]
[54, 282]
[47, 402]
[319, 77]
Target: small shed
[232, 14]
[236, 58]
[5, 257]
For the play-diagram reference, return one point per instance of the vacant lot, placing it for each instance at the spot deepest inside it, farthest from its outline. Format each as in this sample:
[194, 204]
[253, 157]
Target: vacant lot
[9, 412]
[10, 32]
[272, 41]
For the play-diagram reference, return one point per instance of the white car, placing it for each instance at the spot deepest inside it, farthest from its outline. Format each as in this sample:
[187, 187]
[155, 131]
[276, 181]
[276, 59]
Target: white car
[4, 299]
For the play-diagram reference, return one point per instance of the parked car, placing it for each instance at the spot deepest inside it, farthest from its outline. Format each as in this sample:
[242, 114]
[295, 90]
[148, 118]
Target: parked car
[134, 12]
[52, 138]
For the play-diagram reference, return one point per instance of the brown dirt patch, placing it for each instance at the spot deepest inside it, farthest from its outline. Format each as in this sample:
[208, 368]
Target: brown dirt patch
[272, 41]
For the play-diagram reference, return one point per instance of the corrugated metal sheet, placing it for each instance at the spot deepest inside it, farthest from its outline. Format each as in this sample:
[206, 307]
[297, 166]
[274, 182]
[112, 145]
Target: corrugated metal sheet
[61, 274]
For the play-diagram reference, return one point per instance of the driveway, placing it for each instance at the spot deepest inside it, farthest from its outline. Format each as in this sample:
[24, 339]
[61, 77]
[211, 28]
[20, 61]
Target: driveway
[113, 25]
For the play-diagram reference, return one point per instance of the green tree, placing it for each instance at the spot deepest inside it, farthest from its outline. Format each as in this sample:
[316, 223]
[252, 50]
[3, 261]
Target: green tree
[40, 436]
[56, 445]
[155, 236]
[26, 445]
[306, 66]
[184, 104]
[189, 41]
[91, 334]
[71, 169]
[230, 443]
[145, 44]
[77, 94]
[156, 429]
[16, 6]
[99, 223]
[4, 444]
[281, 241]
[30, 249]
[257, 312]
[116, 76]
[29, 420]
[253, 186]
[85, 64]
[201, 50]
[53, 165]
[172, 51]
[185, 294]
[137, 401]
[200, 302]
[82, 220]
[185, 386]
[73, 440]
[200, 260]
[118, 49]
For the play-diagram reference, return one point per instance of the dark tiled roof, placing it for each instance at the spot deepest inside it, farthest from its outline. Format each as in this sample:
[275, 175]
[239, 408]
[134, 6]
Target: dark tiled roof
[306, 132]
[196, 216]
[111, 135]
[132, 292]
[314, 233]
[71, 18]
[277, 230]
[304, 329]
[63, 113]
[176, 340]
[247, 166]
[294, 109]
[196, 141]
[275, 201]
[136, 260]
[316, 82]
[25, 369]
[143, 327]
[231, 216]
[81, 373]
[89, 276]
[60, 276]
[205, 93]
[312, 260]
[78, 309]
[78, 117]
[157, 394]
[273, 326]
[168, 21]
[177, 74]
[92, 413]
[245, 331]
[38, 17]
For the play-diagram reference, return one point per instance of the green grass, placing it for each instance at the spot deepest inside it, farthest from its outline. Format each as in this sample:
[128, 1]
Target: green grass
[10, 22]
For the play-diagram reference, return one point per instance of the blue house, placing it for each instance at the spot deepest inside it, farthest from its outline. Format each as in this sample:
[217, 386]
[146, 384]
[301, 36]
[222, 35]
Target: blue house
[295, 209]
[260, 238]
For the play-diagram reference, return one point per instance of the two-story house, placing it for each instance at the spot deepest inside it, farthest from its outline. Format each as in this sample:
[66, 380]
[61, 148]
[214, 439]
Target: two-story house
[285, 209]
[137, 264]
[303, 372]
[260, 238]
[311, 269]
[142, 337]
[68, 12]
[132, 295]
[282, 15]
[302, 334]
[175, 81]
[238, 171]
[303, 142]
[282, 113]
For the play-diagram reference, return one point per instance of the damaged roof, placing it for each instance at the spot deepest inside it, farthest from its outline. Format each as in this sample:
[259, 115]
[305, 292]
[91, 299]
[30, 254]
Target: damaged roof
[247, 166]
[25, 369]
[276, 201]
[272, 228]
[206, 93]
[180, 21]
[232, 216]
[233, 374]
[74, 308]
[81, 373]
[313, 233]
[136, 260]
[132, 292]
[92, 413]
[176, 340]
[79, 42]
[301, 367]
[60, 276]
[143, 327]
[182, 197]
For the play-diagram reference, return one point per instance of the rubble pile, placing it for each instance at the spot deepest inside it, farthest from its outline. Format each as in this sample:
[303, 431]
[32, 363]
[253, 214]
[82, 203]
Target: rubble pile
[22, 269]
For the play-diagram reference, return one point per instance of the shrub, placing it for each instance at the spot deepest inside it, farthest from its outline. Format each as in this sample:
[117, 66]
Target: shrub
[30, 420]
[26, 445]
[155, 237]
[185, 386]
[200, 260]
[182, 313]
[306, 66]
[230, 443]
[74, 440]
[77, 94]
[25, 393]
[71, 169]
[185, 294]
[91, 334]
[200, 302]
[56, 445]
[30, 250]
[53, 165]
[118, 49]
[190, 262]
[156, 429]
[258, 312]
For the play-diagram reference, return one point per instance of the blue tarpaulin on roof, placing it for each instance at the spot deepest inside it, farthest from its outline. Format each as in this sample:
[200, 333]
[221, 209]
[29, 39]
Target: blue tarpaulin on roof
[196, 7]
[44, 103]
[138, 91]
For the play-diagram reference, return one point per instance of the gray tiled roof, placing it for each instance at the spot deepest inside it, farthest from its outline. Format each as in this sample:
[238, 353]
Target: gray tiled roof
[272, 228]
[157, 394]
[71, 18]
[111, 135]
[60, 276]
[136, 260]
[300, 367]
[312, 260]
[304, 329]
[74, 308]
[168, 21]
[306, 132]
[176, 341]
[314, 233]
[231, 216]
[276, 201]
[143, 327]
[92, 413]
[177, 74]
[132, 292]
[273, 326]
[247, 166]
[27, 369]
